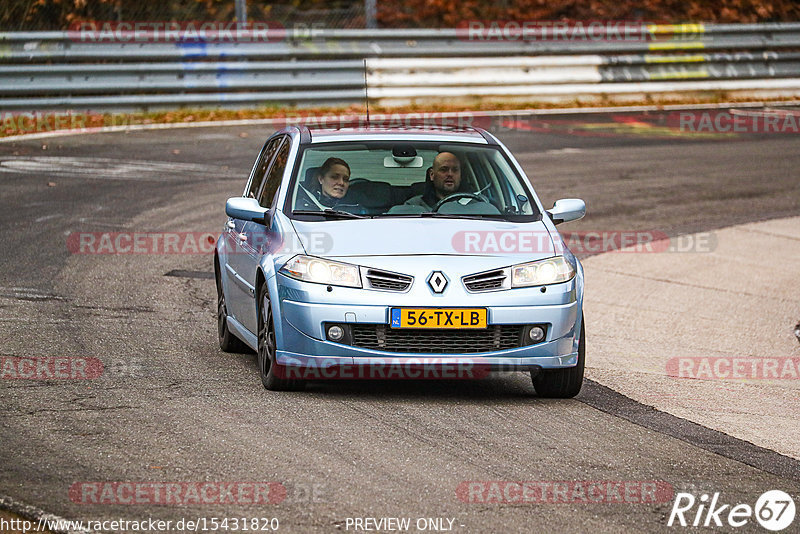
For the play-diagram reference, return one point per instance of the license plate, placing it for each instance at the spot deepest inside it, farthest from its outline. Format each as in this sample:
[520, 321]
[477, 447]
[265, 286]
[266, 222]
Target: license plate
[438, 318]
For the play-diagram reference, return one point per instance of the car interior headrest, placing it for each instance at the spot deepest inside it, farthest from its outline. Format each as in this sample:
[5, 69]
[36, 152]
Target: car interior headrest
[310, 180]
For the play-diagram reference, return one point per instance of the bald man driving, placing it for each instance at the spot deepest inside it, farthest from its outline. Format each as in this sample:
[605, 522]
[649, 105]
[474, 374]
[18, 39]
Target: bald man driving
[445, 179]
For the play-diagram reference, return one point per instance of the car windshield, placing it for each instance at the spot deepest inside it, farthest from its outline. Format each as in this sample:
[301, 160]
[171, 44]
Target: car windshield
[408, 179]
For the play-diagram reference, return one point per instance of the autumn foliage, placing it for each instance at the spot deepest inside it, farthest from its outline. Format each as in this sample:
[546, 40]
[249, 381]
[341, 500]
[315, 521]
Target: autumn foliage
[38, 15]
[445, 13]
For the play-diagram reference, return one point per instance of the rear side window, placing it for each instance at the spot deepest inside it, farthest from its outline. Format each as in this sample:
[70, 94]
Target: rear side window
[273, 181]
[262, 165]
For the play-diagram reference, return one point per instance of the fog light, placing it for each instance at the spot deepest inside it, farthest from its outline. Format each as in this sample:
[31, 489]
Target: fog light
[335, 333]
[536, 334]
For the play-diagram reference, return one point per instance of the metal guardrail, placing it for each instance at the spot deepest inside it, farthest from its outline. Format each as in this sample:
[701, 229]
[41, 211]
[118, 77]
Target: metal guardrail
[68, 70]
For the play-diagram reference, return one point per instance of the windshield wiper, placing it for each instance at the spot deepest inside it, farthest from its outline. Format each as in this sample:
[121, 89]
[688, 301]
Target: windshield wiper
[330, 213]
[432, 214]
[462, 215]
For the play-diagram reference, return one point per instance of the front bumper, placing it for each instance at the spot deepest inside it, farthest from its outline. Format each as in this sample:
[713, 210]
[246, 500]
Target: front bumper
[304, 309]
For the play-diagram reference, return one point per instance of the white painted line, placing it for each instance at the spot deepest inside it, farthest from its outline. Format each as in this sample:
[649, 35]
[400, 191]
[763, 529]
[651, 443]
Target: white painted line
[766, 112]
[107, 168]
[47, 217]
[565, 150]
[39, 516]
[455, 114]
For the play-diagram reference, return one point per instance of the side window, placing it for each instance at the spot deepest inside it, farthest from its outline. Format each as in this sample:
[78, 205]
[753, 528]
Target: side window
[273, 181]
[262, 165]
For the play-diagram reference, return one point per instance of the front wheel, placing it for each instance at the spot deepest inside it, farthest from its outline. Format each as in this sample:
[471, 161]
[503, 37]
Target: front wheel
[562, 383]
[267, 368]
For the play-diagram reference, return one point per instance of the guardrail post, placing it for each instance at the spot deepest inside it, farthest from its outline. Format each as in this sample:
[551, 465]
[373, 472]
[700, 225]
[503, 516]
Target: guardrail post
[371, 10]
[241, 10]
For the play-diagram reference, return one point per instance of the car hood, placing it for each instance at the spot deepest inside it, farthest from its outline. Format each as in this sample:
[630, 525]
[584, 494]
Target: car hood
[425, 236]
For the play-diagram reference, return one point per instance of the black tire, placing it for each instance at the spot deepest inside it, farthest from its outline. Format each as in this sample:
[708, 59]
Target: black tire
[266, 348]
[228, 341]
[562, 383]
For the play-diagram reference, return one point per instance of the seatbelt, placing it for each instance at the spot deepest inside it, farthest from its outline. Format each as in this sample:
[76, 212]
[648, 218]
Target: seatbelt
[313, 199]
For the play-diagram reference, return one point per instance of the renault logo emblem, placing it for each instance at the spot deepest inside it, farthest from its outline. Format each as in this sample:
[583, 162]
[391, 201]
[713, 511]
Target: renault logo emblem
[438, 281]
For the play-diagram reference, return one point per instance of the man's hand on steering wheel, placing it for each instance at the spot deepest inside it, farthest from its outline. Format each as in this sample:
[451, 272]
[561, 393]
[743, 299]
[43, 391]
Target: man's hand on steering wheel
[457, 196]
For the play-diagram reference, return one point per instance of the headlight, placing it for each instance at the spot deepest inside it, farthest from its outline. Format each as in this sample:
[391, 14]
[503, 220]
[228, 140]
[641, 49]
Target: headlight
[319, 271]
[542, 272]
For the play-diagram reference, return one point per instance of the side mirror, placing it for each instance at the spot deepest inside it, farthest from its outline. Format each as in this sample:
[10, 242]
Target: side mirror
[247, 209]
[567, 209]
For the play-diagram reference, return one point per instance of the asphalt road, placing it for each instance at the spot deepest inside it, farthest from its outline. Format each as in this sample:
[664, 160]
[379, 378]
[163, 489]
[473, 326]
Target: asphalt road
[171, 407]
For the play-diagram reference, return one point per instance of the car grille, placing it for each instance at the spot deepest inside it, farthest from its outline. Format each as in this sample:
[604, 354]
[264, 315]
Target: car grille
[439, 341]
[486, 281]
[388, 281]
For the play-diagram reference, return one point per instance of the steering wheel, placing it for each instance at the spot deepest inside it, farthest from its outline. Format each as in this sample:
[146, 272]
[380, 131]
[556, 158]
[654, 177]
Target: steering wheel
[456, 196]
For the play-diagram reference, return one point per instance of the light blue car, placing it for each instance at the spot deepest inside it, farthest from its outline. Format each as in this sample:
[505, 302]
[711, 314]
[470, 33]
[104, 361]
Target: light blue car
[398, 253]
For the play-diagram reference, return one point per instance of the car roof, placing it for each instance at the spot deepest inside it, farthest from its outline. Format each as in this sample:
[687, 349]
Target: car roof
[423, 132]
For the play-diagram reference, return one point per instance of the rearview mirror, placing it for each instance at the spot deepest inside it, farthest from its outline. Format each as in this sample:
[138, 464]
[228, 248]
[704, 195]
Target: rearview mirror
[567, 209]
[247, 209]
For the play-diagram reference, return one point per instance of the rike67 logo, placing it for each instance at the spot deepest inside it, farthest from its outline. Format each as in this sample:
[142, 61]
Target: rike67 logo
[774, 510]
